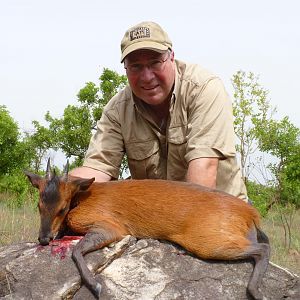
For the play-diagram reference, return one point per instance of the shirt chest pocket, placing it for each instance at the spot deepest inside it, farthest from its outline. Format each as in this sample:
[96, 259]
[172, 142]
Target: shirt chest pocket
[177, 146]
[177, 135]
[144, 159]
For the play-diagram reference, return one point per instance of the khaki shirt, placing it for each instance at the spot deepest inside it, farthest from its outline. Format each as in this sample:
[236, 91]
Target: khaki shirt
[200, 125]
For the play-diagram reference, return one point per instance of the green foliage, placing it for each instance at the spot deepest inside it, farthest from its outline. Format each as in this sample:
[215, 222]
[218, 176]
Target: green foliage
[290, 191]
[273, 227]
[293, 170]
[257, 130]
[89, 94]
[110, 84]
[95, 98]
[14, 152]
[9, 134]
[282, 140]
[278, 138]
[250, 108]
[15, 156]
[72, 132]
[260, 195]
[18, 185]
[38, 145]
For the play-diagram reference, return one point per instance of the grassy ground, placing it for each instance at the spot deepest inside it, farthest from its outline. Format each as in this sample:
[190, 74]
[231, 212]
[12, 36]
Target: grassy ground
[17, 224]
[22, 224]
[280, 255]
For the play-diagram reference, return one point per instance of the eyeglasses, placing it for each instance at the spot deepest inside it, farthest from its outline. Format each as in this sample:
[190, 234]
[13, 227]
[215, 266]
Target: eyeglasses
[155, 65]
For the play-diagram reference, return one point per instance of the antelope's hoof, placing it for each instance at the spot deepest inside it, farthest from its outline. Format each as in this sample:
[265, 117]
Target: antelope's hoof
[256, 294]
[97, 290]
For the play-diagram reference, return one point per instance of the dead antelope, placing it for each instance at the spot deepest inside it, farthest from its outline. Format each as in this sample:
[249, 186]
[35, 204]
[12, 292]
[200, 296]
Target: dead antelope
[208, 223]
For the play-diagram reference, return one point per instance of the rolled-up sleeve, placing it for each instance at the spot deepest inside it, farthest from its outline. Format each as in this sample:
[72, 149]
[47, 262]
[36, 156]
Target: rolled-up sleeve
[210, 122]
[106, 148]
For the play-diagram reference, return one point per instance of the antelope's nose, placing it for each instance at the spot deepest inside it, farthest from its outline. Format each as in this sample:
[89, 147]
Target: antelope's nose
[45, 240]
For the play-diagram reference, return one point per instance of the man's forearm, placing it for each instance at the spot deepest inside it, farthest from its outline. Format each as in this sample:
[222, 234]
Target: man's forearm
[85, 172]
[203, 171]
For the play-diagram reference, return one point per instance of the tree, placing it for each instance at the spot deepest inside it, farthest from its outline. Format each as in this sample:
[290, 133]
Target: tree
[11, 149]
[282, 140]
[14, 157]
[251, 108]
[72, 132]
[39, 144]
[95, 98]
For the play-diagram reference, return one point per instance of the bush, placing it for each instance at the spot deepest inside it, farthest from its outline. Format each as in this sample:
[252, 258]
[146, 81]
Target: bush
[260, 195]
[290, 192]
[19, 187]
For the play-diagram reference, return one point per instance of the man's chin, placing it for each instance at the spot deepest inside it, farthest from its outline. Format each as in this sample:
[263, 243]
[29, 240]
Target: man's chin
[154, 99]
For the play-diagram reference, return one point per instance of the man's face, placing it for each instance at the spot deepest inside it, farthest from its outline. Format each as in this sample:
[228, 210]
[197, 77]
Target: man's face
[151, 75]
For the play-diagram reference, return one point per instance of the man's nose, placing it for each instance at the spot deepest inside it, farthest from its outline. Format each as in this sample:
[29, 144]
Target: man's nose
[146, 73]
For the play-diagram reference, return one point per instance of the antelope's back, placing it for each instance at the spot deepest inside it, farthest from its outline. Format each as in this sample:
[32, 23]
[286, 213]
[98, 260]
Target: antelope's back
[159, 208]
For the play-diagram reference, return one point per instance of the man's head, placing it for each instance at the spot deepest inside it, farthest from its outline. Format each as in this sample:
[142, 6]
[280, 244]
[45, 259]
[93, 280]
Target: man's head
[149, 62]
[145, 35]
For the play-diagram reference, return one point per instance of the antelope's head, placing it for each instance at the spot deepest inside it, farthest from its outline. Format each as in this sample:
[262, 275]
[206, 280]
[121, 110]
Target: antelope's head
[55, 195]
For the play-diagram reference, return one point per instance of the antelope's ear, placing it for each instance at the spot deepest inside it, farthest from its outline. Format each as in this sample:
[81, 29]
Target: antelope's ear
[33, 178]
[83, 184]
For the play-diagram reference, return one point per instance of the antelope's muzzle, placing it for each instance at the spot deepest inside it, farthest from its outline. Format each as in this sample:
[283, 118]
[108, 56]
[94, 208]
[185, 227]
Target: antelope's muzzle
[45, 240]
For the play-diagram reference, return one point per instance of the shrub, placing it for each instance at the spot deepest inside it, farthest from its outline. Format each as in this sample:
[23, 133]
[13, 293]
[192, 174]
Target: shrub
[19, 189]
[260, 195]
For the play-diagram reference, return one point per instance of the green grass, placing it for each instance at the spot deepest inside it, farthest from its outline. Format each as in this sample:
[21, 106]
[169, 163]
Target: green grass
[17, 224]
[280, 255]
[22, 224]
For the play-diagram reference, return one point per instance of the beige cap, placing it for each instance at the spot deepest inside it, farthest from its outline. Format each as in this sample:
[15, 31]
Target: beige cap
[145, 35]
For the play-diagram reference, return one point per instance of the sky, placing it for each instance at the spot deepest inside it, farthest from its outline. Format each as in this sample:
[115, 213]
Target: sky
[50, 49]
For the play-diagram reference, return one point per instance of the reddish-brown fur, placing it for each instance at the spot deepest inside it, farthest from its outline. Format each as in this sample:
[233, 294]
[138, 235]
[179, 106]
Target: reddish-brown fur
[208, 223]
[190, 215]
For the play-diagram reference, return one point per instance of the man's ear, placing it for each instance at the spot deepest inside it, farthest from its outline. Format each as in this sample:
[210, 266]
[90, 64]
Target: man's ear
[33, 178]
[172, 55]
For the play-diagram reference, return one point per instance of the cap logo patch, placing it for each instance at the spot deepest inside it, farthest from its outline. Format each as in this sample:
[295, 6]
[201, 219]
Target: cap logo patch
[140, 32]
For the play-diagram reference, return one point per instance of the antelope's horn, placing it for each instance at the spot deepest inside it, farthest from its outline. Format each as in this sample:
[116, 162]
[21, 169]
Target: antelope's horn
[66, 171]
[48, 170]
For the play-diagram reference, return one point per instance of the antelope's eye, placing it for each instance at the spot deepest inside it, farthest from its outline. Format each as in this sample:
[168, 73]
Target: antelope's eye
[62, 211]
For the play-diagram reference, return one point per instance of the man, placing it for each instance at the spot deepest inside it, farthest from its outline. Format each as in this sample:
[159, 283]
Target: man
[174, 120]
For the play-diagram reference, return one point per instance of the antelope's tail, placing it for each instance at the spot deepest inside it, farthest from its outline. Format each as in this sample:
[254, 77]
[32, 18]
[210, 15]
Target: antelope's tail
[261, 236]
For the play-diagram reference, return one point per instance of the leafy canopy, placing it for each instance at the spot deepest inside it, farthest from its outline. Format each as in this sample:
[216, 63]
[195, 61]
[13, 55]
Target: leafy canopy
[72, 132]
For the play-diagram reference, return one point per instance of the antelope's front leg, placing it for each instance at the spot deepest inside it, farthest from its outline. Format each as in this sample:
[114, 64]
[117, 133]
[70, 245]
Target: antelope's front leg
[91, 242]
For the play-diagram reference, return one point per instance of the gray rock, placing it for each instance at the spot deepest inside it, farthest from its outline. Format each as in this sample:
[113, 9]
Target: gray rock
[131, 269]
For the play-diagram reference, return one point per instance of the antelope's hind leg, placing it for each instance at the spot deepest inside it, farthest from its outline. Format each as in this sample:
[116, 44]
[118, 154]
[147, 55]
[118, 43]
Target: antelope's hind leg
[92, 241]
[260, 252]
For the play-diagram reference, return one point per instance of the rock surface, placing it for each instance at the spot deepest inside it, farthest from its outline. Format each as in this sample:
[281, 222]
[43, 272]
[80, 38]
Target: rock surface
[131, 269]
